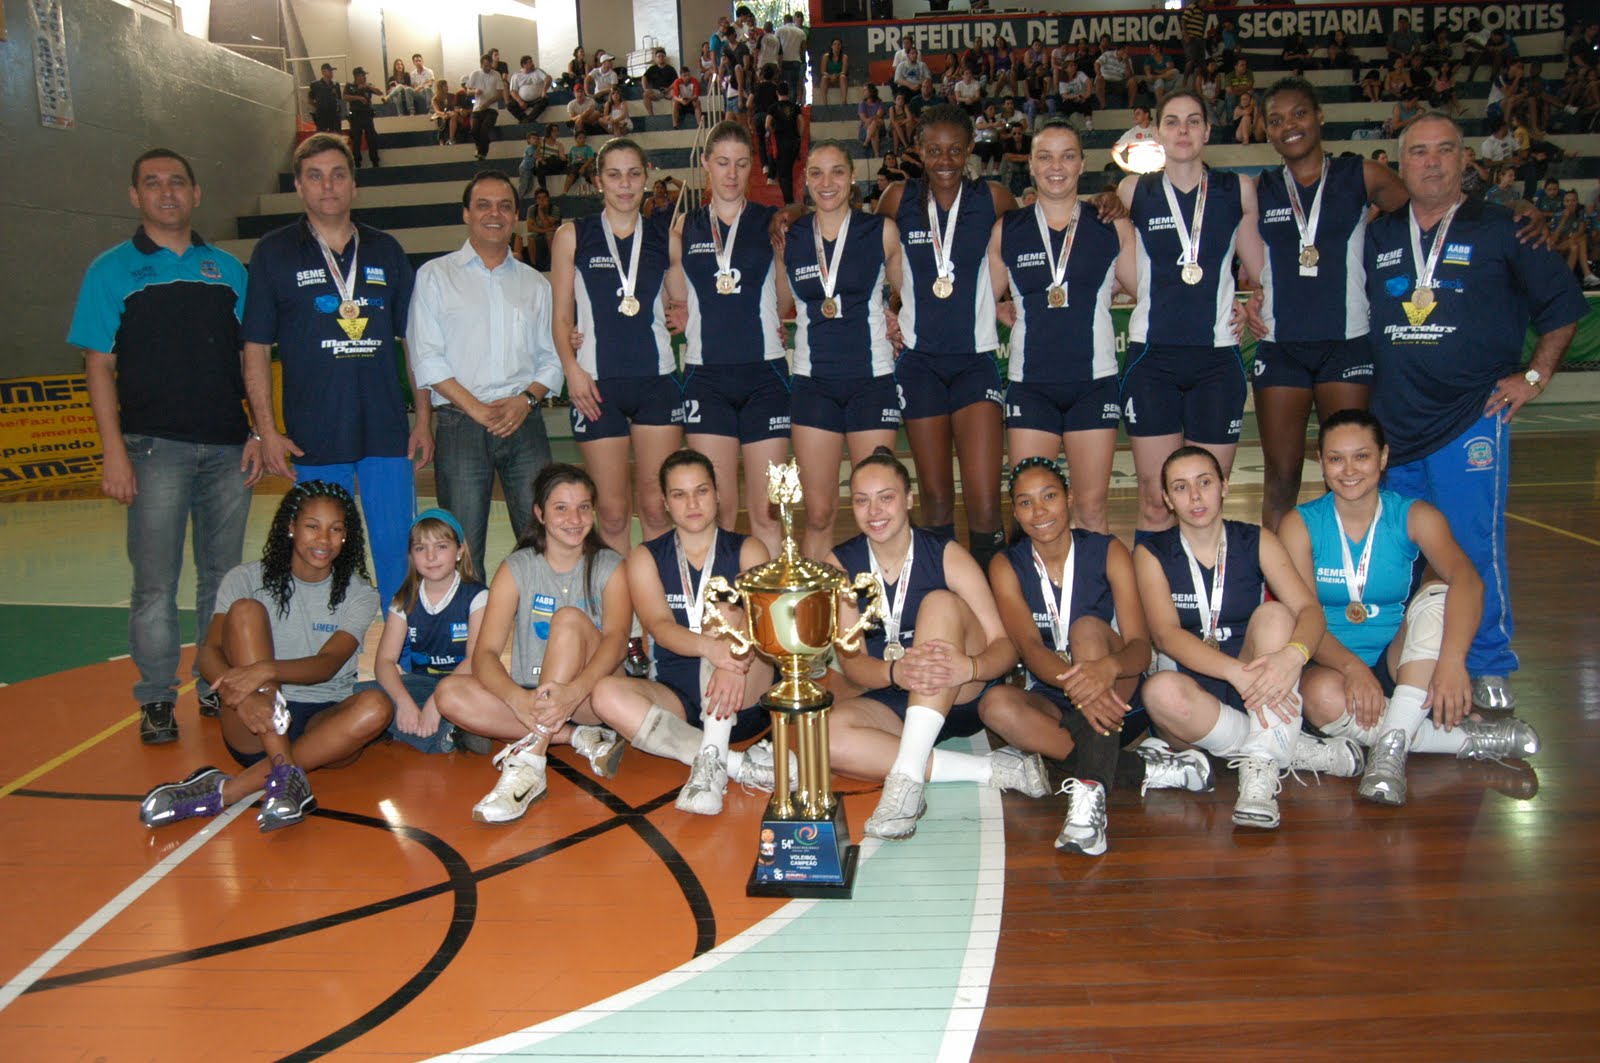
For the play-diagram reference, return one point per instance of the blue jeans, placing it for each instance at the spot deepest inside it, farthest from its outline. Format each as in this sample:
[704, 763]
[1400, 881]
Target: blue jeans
[466, 459]
[420, 688]
[178, 482]
[388, 498]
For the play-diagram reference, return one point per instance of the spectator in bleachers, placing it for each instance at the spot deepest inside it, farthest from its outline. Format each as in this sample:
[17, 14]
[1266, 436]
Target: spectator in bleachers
[1138, 145]
[1241, 82]
[663, 198]
[358, 95]
[1402, 42]
[1395, 81]
[792, 55]
[422, 79]
[1002, 71]
[1380, 156]
[1439, 51]
[1161, 75]
[463, 113]
[1014, 126]
[1208, 83]
[443, 112]
[577, 69]
[768, 51]
[549, 158]
[710, 65]
[1500, 146]
[786, 123]
[658, 79]
[1406, 110]
[1506, 92]
[1498, 49]
[1475, 178]
[762, 100]
[911, 163]
[489, 90]
[325, 98]
[1248, 125]
[1537, 99]
[924, 99]
[499, 64]
[1113, 73]
[685, 96]
[618, 124]
[1421, 77]
[406, 101]
[911, 73]
[1228, 34]
[1442, 92]
[1550, 200]
[1581, 98]
[890, 169]
[530, 90]
[1341, 55]
[603, 78]
[580, 162]
[1372, 85]
[1505, 192]
[544, 218]
[967, 93]
[583, 114]
[1296, 53]
[1035, 53]
[902, 123]
[1073, 95]
[1192, 24]
[986, 144]
[870, 115]
[835, 73]
[1474, 44]
[1584, 47]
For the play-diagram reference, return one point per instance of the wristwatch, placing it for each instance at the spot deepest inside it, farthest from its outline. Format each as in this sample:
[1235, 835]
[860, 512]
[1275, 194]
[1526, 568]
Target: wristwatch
[533, 403]
[1534, 377]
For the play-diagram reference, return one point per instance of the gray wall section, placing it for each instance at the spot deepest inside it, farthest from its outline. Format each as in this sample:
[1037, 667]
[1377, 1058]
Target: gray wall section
[63, 193]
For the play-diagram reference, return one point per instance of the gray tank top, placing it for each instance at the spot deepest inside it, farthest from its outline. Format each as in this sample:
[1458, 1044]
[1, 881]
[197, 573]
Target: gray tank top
[541, 590]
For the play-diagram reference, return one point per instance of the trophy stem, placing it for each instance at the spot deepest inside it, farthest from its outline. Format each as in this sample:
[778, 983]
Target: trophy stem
[782, 804]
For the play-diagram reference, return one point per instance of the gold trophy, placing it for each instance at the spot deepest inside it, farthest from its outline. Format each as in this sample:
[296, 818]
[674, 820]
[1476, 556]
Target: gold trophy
[791, 618]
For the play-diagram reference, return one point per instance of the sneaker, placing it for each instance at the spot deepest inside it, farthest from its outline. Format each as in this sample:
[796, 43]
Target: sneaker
[708, 778]
[198, 795]
[211, 704]
[756, 768]
[1590, 281]
[602, 746]
[1492, 692]
[1085, 828]
[1257, 805]
[521, 783]
[1339, 757]
[289, 798]
[157, 724]
[1015, 770]
[1505, 739]
[898, 809]
[1165, 769]
[1385, 778]
[474, 743]
[637, 663]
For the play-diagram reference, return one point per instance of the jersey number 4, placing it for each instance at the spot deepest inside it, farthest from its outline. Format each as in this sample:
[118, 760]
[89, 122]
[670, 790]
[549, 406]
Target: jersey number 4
[1127, 413]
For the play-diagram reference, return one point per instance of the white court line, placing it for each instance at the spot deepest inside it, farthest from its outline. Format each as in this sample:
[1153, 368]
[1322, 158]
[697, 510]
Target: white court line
[114, 907]
[977, 966]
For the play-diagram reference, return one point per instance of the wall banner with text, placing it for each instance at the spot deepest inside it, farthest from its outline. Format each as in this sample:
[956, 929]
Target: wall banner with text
[47, 432]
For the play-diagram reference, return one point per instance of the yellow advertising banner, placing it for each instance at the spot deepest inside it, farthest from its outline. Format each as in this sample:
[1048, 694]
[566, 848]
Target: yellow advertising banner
[47, 432]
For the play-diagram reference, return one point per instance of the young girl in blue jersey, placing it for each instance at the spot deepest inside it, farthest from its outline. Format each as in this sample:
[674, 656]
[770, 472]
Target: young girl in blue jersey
[924, 670]
[1063, 352]
[1235, 690]
[845, 397]
[703, 696]
[1184, 382]
[1391, 672]
[726, 287]
[946, 320]
[430, 631]
[561, 600]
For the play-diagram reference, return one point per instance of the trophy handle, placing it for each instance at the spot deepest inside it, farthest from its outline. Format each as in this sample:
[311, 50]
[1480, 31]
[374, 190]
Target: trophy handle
[714, 623]
[874, 613]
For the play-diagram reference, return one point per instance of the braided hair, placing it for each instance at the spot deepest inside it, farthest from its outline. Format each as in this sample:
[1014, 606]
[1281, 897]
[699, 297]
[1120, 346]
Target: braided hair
[277, 556]
[1049, 465]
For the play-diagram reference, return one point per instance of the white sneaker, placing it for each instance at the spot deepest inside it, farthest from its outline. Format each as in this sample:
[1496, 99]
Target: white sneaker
[702, 794]
[1339, 757]
[1085, 828]
[1257, 805]
[1165, 769]
[756, 768]
[1493, 692]
[1015, 770]
[898, 809]
[521, 783]
[602, 746]
[1385, 780]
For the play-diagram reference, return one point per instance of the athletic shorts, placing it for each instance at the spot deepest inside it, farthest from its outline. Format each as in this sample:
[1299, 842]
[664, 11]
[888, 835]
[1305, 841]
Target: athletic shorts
[937, 385]
[1305, 365]
[630, 400]
[1196, 392]
[747, 402]
[301, 714]
[858, 404]
[1060, 408]
[683, 679]
[963, 718]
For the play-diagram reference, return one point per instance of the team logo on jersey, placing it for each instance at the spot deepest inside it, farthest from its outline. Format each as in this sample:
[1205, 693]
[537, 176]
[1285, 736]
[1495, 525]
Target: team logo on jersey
[1278, 214]
[375, 275]
[458, 631]
[307, 277]
[1458, 254]
[1031, 258]
[1110, 412]
[1390, 258]
[1397, 286]
[210, 270]
[1259, 367]
[1480, 453]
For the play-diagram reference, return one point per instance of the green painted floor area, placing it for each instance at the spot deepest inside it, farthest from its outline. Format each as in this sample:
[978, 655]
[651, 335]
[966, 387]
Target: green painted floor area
[45, 639]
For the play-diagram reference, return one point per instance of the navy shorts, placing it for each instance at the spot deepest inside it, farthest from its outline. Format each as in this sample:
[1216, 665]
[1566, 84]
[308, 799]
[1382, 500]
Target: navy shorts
[630, 400]
[300, 715]
[684, 682]
[937, 385]
[1061, 408]
[962, 721]
[1196, 392]
[748, 402]
[1305, 365]
[858, 404]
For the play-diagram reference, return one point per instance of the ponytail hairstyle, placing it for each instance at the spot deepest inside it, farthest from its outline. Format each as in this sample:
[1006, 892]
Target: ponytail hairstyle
[1362, 418]
[277, 556]
[1190, 451]
[682, 458]
[551, 477]
[884, 457]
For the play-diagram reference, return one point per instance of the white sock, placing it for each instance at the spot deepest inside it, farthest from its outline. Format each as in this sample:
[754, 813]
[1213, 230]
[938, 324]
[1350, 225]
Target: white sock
[1431, 738]
[734, 761]
[949, 766]
[1274, 739]
[717, 733]
[1346, 727]
[1405, 712]
[1227, 735]
[921, 730]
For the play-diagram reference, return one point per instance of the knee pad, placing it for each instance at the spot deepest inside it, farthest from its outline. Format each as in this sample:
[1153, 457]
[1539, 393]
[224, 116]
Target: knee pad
[1424, 625]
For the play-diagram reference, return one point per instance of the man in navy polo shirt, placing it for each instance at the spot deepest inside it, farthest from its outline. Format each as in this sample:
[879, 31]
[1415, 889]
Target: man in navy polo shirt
[1453, 292]
[158, 320]
[334, 295]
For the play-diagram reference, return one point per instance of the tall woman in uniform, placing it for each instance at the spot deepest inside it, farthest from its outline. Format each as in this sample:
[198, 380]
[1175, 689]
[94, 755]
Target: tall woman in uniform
[1391, 672]
[1061, 262]
[946, 371]
[924, 670]
[1235, 692]
[736, 382]
[608, 272]
[1071, 607]
[844, 389]
[1184, 382]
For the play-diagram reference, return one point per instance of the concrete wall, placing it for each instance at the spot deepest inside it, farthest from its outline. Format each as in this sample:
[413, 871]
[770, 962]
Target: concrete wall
[63, 193]
[604, 24]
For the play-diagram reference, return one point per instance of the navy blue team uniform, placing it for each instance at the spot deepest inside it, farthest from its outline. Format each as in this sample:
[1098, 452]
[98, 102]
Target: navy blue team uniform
[682, 674]
[630, 358]
[940, 369]
[1184, 374]
[927, 574]
[843, 366]
[1436, 368]
[435, 646]
[1316, 326]
[1063, 362]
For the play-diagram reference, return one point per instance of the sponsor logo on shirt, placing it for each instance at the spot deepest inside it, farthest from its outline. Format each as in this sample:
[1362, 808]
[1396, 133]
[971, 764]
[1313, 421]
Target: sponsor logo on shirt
[375, 275]
[210, 270]
[540, 610]
[602, 262]
[918, 236]
[701, 247]
[1111, 412]
[1390, 258]
[306, 277]
[1278, 214]
[1458, 254]
[1031, 259]
[804, 273]
[458, 631]
[323, 625]
[1157, 224]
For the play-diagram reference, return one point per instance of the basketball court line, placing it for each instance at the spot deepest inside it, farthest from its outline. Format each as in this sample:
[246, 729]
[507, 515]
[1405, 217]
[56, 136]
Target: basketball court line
[1553, 528]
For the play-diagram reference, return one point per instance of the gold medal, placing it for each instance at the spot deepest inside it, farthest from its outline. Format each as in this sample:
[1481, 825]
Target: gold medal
[830, 307]
[1422, 298]
[1192, 273]
[629, 305]
[1211, 640]
[349, 310]
[893, 651]
[1056, 296]
[725, 284]
[943, 288]
[1309, 257]
[1356, 613]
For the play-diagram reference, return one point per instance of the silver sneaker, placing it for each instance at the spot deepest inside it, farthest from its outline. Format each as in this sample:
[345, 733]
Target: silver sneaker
[708, 779]
[1084, 830]
[1339, 757]
[1015, 770]
[1493, 692]
[1385, 778]
[602, 746]
[755, 768]
[898, 809]
[289, 798]
[1504, 739]
[1165, 769]
[198, 795]
[521, 783]
[1257, 805]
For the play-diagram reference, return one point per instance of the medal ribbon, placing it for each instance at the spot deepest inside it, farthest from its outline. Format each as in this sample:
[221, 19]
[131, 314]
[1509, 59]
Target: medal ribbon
[828, 267]
[1058, 265]
[942, 258]
[630, 276]
[1355, 575]
[1307, 227]
[694, 597]
[724, 250]
[891, 623]
[1190, 239]
[1426, 267]
[1210, 607]
[345, 286]
[1060, 610]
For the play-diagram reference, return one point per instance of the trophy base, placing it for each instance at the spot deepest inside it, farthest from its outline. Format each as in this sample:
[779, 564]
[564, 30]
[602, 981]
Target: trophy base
[805, 858]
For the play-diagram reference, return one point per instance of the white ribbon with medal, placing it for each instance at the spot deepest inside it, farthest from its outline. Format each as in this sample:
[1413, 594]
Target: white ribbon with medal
[694, 598]
[828, 267]
[945, 284]
[1191, 273]
[629, 305]
[726, 284]
[1059, 608]
[1055, 296]
[1355, 573]
[349, 309]
[1209, 606]
[1307, 225]
[1422, 296]
[892, 650]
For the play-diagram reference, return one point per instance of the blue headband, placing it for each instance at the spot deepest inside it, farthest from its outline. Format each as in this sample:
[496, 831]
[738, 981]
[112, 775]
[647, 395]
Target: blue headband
[443, 516]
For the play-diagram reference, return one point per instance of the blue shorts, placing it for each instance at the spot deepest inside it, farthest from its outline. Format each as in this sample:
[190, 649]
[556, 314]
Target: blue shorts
[937, 385]
[1197, 392]
[963, 718]
[1061, 408]
[1305, 365]
[683, 679]
[301, 714]
[859, 404]
[748, 402]
[630, 400]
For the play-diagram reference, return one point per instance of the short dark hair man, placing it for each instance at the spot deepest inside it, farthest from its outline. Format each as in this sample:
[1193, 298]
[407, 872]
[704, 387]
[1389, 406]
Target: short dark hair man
[324, 95]
[658, 79]
[488, 90]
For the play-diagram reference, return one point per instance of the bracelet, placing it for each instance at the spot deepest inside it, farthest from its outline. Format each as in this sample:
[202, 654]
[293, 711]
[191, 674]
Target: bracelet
[974, 661]
[1304, 653]
[892, 683]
